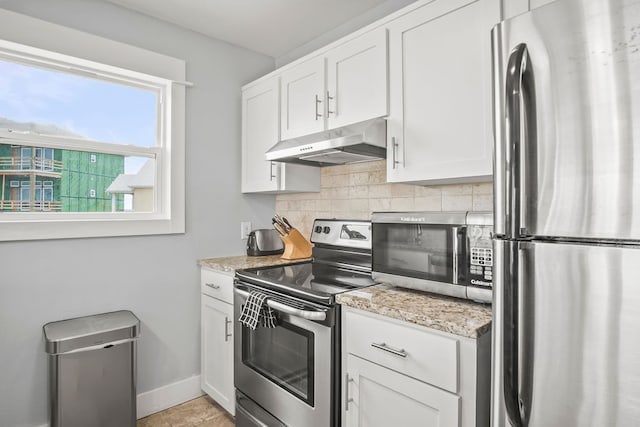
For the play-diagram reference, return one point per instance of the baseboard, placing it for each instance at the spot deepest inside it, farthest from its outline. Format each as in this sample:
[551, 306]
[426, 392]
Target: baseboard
[167, 396]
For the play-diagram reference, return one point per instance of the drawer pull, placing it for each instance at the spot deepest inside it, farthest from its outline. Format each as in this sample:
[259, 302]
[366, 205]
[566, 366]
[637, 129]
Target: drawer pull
[212, 285]
[385, 347]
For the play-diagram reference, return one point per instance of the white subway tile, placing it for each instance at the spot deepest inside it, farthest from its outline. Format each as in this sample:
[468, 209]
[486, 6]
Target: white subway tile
[402, 204]
[323, 205]
[379, 205]
[380, 191]
[359, 205]
[425, 191]
[483, 202]
[457, 203]
[359, 178]
[457, 189]
[428, 203]
[335, 193]
[340, 205]
[402, 190]
[483, 188]
[359, 191]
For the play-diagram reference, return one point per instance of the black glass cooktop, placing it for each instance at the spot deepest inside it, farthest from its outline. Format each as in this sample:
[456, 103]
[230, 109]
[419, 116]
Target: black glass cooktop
[311, 281]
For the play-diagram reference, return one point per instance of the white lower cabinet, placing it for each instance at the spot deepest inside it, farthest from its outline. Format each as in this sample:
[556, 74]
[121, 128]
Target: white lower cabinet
[216, 378]
[378, 396]
[399, 373]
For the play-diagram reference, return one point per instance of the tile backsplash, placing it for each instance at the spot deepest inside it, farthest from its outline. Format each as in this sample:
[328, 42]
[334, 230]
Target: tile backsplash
[355, 190]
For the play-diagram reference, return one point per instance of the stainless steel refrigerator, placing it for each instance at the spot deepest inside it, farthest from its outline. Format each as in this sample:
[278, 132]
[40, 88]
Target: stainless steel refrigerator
[566, 348]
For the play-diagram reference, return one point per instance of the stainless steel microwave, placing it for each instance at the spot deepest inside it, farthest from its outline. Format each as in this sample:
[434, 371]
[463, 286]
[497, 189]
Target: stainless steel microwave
[448, 253]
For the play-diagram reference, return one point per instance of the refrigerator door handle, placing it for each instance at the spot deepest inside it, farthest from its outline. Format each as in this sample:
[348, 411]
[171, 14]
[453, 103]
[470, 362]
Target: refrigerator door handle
[508, 259]
[499, 162]
[526, 304]
[520, 133]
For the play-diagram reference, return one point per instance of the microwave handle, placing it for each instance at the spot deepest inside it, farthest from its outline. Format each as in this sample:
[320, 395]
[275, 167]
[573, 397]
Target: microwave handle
[457, 239]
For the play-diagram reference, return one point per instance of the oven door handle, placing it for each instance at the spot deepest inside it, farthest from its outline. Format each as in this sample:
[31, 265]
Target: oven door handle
[305, 314]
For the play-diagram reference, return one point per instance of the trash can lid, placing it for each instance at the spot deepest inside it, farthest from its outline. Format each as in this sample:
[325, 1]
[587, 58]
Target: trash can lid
[89, 331]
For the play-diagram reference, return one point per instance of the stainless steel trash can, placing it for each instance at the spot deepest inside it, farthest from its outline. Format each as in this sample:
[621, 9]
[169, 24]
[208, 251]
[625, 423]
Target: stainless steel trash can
[92, 370]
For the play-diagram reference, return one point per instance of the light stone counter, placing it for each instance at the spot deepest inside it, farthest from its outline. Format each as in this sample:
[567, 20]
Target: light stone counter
[452, 315]
[233, 263]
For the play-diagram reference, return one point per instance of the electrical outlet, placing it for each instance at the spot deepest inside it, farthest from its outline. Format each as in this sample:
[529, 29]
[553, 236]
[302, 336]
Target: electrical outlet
[245, 229]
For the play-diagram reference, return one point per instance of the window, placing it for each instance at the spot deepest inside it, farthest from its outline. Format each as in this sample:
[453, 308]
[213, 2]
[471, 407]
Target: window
[96, 138]
[44, 158]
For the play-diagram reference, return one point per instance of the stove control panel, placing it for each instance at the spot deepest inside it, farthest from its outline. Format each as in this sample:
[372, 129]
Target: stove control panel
[350, 233]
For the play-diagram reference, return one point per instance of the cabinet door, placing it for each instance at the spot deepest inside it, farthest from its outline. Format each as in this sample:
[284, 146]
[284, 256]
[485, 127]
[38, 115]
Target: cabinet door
[217, 352]
[260, 132]
[377, 396]
[440, 122]
[303, 93]
[357, 80]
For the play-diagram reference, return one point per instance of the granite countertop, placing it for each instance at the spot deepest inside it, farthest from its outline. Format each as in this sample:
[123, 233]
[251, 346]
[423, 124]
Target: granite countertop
[452, 315]
[233, 263]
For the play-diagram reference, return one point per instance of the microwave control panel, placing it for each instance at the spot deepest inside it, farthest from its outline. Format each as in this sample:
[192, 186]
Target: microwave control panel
[481, 255]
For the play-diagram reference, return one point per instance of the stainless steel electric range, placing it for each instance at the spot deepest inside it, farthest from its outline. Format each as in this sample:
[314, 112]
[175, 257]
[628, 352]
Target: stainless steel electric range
[289, 375]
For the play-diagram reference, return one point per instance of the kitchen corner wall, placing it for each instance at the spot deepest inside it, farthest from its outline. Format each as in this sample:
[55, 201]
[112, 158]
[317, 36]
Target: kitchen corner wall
[156, 277]
[354, 191]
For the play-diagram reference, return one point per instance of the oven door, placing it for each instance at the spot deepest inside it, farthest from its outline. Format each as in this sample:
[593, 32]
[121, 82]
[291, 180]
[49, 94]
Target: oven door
[287, 370]
[433, 252]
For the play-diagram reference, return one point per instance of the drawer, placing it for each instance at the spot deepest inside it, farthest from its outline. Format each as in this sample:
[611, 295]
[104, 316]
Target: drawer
[217, 285]
[405, 348]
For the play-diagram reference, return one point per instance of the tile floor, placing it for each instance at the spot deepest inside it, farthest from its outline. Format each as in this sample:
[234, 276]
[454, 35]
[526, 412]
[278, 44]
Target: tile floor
[200, 412]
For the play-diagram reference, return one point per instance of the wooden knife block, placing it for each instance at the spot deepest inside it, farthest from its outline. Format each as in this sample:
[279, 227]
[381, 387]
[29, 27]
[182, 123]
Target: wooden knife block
[295, 246]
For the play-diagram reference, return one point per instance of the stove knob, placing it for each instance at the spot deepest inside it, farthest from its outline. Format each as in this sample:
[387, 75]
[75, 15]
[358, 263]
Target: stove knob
[318, 229]
[326, 230]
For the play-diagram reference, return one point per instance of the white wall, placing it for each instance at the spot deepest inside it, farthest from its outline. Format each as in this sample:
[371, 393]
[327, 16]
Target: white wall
[155, 277]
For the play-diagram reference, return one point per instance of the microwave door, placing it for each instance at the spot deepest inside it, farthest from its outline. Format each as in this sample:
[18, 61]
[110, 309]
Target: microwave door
[421, 251]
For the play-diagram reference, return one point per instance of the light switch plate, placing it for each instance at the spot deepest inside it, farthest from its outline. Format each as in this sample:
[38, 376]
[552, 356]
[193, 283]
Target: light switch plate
[245, 229]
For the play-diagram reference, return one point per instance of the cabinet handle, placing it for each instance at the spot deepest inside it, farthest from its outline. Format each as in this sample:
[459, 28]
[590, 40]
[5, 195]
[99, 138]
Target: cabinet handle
[347, 399]
[329, 98]
[212, 285]
[318, 101]
[394, 148]
[226, 329]
[385, 347]
[271, 175]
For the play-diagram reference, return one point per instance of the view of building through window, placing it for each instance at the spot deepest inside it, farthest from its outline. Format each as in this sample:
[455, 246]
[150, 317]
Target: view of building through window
[64, 110]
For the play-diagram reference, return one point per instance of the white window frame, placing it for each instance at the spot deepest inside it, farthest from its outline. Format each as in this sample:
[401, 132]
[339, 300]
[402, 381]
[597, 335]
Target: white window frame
[75, 51]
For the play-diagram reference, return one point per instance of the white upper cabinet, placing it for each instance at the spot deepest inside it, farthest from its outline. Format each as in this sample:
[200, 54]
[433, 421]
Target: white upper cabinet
[303, 99]
[357, 80]
[260, 132]
[346, 85]
[440, 123]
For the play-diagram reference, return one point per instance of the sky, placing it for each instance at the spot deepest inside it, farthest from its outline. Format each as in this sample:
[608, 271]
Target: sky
[91, 108]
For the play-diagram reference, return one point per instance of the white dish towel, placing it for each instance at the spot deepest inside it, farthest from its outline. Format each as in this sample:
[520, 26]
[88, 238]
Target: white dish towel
[256, 310]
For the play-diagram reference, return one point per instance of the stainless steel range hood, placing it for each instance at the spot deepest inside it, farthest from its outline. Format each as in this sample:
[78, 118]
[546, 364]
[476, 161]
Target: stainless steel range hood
[359, 142]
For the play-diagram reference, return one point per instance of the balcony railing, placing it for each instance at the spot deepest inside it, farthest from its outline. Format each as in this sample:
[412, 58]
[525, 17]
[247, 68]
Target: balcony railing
[37, 165]
[27, 206]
